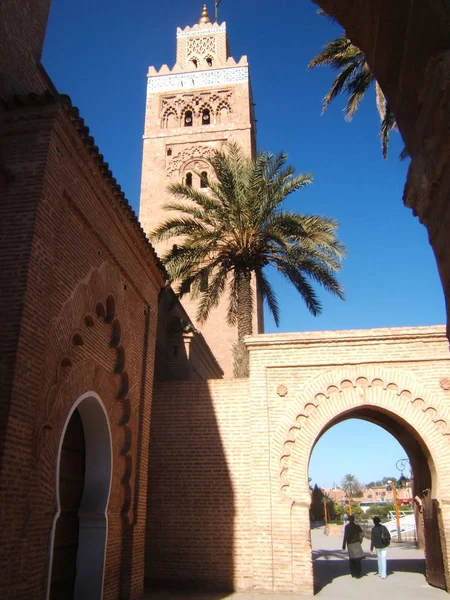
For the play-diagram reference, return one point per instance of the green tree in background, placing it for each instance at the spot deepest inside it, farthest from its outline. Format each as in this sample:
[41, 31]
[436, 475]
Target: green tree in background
[352, 488]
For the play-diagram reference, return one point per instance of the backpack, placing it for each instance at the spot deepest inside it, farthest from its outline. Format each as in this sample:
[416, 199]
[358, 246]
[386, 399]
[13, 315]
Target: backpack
[385, 536]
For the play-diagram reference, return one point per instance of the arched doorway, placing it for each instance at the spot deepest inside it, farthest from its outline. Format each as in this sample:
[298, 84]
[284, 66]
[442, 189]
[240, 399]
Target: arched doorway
[393, 400]
[79, 530]
[422, 509]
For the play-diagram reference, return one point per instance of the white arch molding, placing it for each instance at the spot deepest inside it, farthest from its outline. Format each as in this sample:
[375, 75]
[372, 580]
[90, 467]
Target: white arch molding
[93, 519]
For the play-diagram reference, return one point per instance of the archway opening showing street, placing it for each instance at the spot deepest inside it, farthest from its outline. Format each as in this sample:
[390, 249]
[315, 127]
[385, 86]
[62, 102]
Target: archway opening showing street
[83, 485]
[368, 462]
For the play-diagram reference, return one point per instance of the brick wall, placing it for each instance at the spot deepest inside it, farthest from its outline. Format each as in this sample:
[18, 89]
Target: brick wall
[27, 143]
[199, 520]
[84, 311]
[22, 30]
[253, 450]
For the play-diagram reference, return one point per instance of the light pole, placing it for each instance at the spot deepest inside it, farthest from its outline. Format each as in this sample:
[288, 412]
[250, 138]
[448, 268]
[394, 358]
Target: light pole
[401, 465]
[394, 485]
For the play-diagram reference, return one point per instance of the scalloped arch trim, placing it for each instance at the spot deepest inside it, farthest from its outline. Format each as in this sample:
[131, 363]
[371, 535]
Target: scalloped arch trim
[337, 392]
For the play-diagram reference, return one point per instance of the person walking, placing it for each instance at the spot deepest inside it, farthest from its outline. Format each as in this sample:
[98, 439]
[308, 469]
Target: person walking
[353, 536]
[380, 540]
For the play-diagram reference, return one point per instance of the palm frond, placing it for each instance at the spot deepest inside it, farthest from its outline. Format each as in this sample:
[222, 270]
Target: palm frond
[238, 227]
[387, 125]
[357, 89]
[176, 226]
[268, 295]
[302, 285]
[337, 53]
[338, 85]
[210, 299]
[354, 78]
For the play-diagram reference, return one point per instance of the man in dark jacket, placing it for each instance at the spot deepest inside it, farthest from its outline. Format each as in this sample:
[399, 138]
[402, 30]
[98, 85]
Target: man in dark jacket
[353, 536]
[380, 540]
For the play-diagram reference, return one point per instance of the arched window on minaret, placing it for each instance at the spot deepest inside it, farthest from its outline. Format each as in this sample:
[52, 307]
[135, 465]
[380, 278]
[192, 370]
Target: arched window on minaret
[188, 179]
[206, 117]
[171, 120]
[209, 61]
[222, 113]
[203, 179]
[188, 118]
[194, 61]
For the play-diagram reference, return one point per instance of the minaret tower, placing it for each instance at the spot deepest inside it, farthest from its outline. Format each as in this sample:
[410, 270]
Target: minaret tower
[196, 107]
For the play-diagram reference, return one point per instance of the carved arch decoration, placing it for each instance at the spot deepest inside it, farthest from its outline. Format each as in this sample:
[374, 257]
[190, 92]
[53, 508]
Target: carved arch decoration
[182, 159]
[339, 391]
[206, 106]
[195, 101]
[222, 111]
[170, 115]
[195, 60]
[95, 350]
[188, 107]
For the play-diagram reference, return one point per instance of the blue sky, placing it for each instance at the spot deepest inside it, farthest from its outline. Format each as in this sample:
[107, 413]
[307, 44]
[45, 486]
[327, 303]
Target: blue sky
[99, 55]
[357, 447]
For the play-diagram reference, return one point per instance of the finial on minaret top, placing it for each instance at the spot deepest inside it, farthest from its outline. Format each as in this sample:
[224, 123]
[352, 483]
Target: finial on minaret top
[204, 18]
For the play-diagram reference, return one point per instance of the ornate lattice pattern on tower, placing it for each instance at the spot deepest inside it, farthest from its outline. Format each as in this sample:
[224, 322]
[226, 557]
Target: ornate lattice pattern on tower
[200, 46]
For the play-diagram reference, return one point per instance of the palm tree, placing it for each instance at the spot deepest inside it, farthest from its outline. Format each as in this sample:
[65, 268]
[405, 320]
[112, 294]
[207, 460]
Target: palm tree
[230, 232]
[354, 78]
[351, 487]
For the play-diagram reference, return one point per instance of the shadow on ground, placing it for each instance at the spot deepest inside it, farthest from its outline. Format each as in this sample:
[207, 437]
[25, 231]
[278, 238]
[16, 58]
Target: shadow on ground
[331, 564]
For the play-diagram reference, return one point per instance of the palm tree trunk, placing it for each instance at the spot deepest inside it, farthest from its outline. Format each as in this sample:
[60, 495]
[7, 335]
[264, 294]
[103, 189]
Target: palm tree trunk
[241, 367]
[244, 305]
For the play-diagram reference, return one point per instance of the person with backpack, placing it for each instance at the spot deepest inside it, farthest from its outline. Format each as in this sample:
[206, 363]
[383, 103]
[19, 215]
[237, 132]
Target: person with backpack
[380, 540]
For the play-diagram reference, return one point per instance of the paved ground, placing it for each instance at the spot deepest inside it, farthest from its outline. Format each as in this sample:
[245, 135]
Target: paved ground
[406, 568]
[405, 581]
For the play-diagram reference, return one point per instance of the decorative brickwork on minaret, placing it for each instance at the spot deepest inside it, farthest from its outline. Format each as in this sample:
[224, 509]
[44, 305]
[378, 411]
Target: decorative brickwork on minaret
[192, 109]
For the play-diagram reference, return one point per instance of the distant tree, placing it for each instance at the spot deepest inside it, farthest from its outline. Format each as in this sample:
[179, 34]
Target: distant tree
[340, 511]
[380, 482]
[351, 486]
[337, 511]
[357, 511]
[317, 498]
[373, 484]
[386, 480]
[380, 511]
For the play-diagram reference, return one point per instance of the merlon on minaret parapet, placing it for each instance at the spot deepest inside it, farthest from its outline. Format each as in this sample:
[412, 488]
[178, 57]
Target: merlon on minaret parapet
[203, 60]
